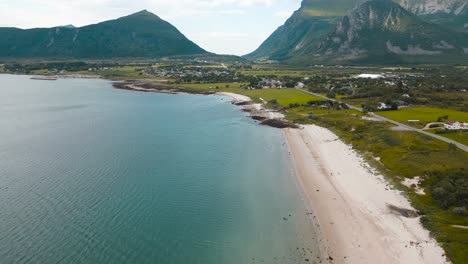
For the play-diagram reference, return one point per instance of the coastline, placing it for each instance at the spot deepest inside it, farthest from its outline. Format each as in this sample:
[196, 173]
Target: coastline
[358, 215]
[256, 111]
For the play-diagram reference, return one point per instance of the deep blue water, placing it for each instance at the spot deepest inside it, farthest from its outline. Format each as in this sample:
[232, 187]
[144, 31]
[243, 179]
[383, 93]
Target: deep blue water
[91, 174]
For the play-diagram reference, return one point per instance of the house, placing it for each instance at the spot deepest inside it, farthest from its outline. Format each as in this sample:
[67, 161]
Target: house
[300, 85]
[370, 76]
[383, 106]
[399, 103]
[455, 125]
[269, 83]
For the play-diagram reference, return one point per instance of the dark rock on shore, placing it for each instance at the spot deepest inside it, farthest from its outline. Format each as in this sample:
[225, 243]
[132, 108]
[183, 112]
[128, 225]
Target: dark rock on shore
[278, 123]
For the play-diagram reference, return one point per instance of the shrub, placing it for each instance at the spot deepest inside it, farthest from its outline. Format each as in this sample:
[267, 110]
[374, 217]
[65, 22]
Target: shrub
[460, 211]
[292, 105]
[449, 188]
[273, 102]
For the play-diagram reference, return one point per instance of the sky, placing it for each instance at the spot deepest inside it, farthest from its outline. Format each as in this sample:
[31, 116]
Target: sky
[222, 26]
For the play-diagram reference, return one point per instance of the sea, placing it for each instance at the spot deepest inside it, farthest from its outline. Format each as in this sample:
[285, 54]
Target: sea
[92, 174]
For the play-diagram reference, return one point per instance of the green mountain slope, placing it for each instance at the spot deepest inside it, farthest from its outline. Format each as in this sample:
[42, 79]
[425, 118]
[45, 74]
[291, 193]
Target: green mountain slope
[303, 31]
[381, 31]
[140, 35]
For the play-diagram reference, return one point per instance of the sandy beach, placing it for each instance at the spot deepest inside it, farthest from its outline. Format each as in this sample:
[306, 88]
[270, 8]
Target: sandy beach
[237, 98]
[349, 202]
[254, 109]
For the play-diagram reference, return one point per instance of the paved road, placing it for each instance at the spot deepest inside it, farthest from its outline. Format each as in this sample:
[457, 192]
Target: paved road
[458, 144]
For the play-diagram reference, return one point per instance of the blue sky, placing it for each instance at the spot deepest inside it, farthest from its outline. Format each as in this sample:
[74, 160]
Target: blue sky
[222, 26]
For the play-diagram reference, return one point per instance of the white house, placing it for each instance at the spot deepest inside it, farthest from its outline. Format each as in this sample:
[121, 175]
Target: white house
[382, 106]
[455, 125]
[370, 76]
[300, 85]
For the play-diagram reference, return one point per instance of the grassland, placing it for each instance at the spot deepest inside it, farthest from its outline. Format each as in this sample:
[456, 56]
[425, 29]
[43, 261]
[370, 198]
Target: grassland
[459, 136]
[290, 73]
[121, 72]
[283, 96]
[424, 114]
[210, 86]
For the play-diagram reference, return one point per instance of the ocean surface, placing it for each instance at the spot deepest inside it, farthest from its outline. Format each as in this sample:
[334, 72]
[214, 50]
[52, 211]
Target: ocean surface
[91, 174]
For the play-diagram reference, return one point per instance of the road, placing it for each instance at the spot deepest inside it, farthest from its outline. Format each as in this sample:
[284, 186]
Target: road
[410, 128]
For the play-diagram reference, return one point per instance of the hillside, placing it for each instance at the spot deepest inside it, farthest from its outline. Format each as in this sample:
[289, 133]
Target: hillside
[370, 32]
[303, 31]
[381, 31]
[139, 35]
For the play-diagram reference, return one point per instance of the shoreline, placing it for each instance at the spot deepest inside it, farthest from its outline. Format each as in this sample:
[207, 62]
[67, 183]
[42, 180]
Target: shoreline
[358, 215]
[256, 111]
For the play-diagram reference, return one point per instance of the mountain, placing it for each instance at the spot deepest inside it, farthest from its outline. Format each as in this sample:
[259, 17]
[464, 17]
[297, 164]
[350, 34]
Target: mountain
[371, 32]
[450, 13]
[67, 26]
[303, 31]
[140, 35]
[381, 31]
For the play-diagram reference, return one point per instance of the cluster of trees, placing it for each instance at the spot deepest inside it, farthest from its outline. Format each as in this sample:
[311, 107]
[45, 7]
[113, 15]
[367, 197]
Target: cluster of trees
[256, 81]
[449, 189]
[58, 66]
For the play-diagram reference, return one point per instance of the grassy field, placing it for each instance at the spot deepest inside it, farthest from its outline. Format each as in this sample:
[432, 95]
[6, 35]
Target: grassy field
[424, 114]
[276, 73]
[210, 86]
[459, 136]
[121, 72]
[283, 96]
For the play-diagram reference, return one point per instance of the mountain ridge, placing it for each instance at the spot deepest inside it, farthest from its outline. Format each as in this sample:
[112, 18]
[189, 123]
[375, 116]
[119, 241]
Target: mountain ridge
[372, 32]
[138, 35]
[303, 29]
[383, 29]
[452, 14]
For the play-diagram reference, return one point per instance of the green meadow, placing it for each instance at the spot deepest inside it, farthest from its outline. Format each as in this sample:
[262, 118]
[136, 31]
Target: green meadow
[459, 136]
[424, 114]
[284, 97]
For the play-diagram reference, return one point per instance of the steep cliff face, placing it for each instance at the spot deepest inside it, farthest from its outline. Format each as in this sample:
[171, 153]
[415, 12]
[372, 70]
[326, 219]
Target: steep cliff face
[428, 7]
[452, 14]
[302, 32]
[381, 30]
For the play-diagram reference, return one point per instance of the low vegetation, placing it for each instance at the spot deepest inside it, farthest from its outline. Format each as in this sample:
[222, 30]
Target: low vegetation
[425, 115]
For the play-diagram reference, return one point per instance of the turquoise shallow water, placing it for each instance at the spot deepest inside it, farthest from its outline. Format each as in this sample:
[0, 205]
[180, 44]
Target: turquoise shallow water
[90, 174]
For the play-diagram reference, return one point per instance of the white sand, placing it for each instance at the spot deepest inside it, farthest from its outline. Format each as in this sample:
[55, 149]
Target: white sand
[414, 184]
[253, 109]
[235, 97]
[349, 202]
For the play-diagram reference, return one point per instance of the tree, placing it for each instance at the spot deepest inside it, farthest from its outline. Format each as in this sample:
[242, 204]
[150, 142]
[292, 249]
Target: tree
[400, 87]
[331, 95]
[452, 147]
